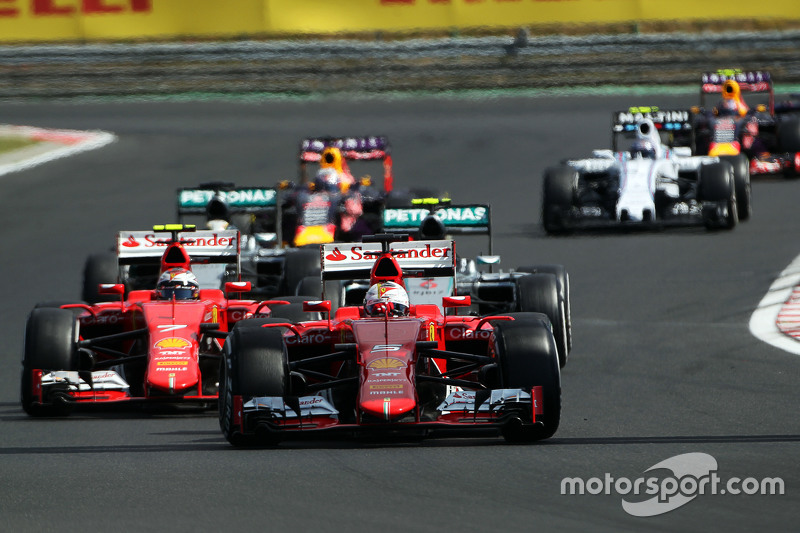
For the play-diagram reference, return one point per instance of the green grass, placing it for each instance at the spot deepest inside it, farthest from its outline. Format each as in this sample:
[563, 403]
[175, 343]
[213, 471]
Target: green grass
[8, 144]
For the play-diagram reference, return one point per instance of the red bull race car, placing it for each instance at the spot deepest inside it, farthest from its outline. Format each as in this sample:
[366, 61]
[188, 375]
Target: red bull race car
[158, 345]
[768, 134]
[391, 367]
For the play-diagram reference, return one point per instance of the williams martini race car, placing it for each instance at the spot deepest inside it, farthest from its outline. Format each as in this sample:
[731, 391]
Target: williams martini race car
[766, 133]
[649, 184]
[375, 371]
[160, 345]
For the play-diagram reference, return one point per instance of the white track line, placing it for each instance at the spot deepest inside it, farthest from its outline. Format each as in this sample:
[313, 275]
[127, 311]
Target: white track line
[764, 322]
[64, 143]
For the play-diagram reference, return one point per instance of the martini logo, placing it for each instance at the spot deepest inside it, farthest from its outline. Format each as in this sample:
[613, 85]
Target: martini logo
[336, 255]
[385, 363]
[172, 343]
[130, 243]
[429, 284]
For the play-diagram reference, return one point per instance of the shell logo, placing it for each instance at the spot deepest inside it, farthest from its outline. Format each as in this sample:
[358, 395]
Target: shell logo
[172, 343]
[386, 362]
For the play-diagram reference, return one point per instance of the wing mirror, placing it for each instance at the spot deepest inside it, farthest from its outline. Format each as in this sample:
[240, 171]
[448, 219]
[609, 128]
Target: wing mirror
[111, 288]
[456, 301]
[319, 306]
[238, 286]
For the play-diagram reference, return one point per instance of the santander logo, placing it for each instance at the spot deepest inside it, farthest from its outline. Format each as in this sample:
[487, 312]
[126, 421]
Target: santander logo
[130, 243]
[336, 255]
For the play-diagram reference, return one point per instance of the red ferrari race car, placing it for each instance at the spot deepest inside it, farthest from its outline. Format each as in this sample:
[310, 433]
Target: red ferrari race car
[768, 134]
[391, 367]
[161, 345]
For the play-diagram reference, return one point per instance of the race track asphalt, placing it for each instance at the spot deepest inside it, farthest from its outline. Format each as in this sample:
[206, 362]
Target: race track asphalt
[663, 363]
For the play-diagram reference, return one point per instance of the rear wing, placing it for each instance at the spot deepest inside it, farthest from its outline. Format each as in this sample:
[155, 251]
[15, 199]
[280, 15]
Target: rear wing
[204, 246]
[674, 125]
[193, 200]
[417, 259]
[755, 81]
[371, 148]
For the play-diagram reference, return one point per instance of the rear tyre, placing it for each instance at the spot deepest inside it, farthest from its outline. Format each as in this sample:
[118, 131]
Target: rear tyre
[563, 292]
[717, 192]
[299, 264]
[255, 364]
[309, 286]
[99, 268]
[741, 181]
[789, 135]
[292, 312]
[539, 293]
[527, 357]
[50, 344]
[557, 197]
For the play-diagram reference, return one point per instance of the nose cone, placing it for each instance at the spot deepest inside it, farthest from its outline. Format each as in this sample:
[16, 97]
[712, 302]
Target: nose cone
[388, 408]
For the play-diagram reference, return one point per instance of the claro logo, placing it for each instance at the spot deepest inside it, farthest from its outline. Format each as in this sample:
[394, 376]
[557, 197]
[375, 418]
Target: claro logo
[13, 8]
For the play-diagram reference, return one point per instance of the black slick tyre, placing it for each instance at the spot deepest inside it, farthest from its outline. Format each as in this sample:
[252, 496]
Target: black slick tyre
[539, 293]
[741, 182]
[527, 358]
[254, 365]
[717, 192]
[557, 197]
[50, 344]
[99, 268]
[299, 264]
[562, 276]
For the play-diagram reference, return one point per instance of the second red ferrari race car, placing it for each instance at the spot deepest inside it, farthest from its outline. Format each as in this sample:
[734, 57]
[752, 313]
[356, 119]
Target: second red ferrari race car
[158, 345]
[390, 367]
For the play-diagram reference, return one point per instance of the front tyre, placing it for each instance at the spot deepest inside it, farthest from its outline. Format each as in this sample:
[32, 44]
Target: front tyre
[527, 356]
[717, 193]
[50, 344]
[741, 182]
[557, 198]
[254, 364]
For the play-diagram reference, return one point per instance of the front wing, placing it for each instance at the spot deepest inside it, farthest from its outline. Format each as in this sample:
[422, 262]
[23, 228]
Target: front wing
[488, 409]
[99, 386]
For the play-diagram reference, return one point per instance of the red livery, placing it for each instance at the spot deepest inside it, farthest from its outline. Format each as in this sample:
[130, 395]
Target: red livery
[392, 366]
[154, 345]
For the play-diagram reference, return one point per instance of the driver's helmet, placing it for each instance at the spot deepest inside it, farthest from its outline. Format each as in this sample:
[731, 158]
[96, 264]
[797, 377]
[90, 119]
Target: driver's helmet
[644, 149]
[727, 108]
[327, 179]
[177, 283]
[386, 298]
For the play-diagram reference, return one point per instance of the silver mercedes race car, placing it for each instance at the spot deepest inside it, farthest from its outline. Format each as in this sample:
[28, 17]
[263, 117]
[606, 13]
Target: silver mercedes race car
[649, 183]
